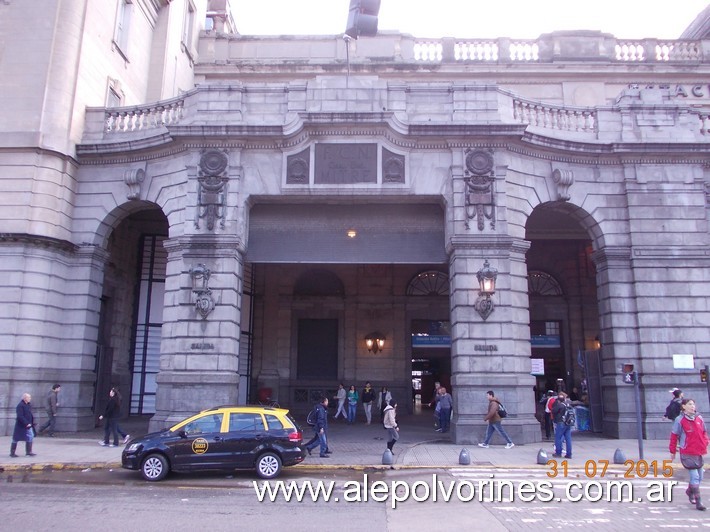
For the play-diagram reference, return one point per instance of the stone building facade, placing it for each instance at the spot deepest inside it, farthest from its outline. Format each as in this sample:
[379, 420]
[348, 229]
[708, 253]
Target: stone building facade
[203, 218]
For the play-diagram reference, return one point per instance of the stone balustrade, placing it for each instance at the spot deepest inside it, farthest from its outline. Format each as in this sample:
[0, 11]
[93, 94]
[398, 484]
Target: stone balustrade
[142, 117]
[554, 117]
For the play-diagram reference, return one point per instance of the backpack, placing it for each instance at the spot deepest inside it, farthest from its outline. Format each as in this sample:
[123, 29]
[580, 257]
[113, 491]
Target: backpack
[312, 418]
[672, 410]
[502, 412]
[569, 417]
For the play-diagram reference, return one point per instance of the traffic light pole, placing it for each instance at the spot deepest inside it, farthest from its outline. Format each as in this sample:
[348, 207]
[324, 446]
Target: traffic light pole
[639, 421]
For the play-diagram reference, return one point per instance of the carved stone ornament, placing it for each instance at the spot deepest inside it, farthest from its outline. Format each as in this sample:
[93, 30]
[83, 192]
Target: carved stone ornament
[212, 188]
[392, 167]
[133, 180]
[479, 193]
[298, 168]
[564, 179]
[204, 303]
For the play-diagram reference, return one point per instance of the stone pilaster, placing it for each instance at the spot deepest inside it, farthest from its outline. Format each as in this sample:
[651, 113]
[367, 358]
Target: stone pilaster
[199, 360]
[491, 354]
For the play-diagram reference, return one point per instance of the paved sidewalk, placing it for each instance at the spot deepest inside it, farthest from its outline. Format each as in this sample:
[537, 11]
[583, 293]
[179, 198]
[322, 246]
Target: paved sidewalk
[359, 446]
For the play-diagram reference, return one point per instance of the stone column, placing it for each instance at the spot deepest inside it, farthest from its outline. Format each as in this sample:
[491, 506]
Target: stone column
[200, 346]
[491, 354]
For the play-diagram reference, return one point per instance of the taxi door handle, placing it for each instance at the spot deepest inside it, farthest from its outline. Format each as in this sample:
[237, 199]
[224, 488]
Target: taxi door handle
[218, 438]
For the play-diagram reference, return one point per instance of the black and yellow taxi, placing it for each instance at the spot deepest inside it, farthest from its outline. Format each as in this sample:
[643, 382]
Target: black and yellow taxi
[221, 438]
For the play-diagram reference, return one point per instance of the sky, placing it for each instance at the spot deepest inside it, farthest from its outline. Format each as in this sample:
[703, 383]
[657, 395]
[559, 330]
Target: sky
[520, 19]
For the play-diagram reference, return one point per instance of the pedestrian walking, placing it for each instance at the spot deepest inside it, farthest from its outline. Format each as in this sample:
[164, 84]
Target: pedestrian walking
[391, 425]
[126, 437]
[51, 407]
[353, 399]
[673, 410]
[564, 419]
[341, 395]
[445, 404]
[494, 422]
[368, 396]
[689, 435]
[110, 417]
[24, 426]
[321, 429]
[434, 403]
[383, 399]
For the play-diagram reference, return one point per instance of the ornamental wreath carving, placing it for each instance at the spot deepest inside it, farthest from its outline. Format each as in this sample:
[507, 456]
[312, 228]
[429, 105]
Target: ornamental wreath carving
[479, 181]
[212, 188]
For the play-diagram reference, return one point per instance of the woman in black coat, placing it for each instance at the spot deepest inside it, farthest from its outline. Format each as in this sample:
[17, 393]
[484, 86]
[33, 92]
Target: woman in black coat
[24, 426]
[110, 417]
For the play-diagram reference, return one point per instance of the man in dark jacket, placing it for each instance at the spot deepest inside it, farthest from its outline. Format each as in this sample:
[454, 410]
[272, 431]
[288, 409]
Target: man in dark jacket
[673, 409]
[321, 429]
[51, 406]
[24, 426]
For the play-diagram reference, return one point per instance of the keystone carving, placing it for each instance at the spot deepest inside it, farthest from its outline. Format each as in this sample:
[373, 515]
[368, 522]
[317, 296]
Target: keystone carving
[133, 180]
[564, 179]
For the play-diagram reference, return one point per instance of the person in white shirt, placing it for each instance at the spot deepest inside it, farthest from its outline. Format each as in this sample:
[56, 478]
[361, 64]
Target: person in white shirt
[340, 396]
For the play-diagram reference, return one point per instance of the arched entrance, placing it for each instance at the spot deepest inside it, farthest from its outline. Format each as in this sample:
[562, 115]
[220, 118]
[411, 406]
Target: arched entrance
[128, 347]
[564, 312]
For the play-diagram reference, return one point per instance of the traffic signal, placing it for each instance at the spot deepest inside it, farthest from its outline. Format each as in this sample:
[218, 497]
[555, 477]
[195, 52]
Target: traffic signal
[362, 18]
[629, 374]
[703, 375]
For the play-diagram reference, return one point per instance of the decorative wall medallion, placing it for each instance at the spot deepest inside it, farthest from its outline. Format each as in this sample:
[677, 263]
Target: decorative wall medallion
[564, 179]
[479, 193]
[392, 167]
[212, 188]
[298, 168]
[213, 162]
[134, 179]
[479, 162]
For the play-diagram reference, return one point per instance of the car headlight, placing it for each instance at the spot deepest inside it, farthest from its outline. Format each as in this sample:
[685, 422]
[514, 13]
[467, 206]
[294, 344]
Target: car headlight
[133, 447]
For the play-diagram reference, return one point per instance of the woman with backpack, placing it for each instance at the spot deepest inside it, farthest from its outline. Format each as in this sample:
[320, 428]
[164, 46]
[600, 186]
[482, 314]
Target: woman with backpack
[690, 437]
[564, 419]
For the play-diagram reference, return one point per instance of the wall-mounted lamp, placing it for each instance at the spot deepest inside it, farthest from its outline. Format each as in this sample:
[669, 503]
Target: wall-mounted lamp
[597, 343]
[487, 287]
[352, 233]
[375, 341]
[200, 275]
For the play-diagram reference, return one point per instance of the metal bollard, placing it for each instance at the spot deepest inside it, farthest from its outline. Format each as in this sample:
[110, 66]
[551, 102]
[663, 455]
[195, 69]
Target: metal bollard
[387, 457]
[619, 457]
[464, 457]
[542, 457]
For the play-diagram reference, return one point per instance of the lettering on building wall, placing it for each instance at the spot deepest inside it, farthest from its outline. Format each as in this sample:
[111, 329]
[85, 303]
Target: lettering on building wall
[696, 90]
[485, 348]
[202, 346]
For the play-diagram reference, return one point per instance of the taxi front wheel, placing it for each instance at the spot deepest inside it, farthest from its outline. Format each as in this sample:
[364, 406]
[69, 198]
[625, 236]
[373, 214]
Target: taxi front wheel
[268, 465]
[154, 467]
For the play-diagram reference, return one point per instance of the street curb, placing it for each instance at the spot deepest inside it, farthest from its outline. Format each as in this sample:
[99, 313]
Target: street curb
[61, 467]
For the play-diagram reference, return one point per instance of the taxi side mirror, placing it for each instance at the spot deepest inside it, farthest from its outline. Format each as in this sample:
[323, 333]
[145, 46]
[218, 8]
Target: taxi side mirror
[182, 433]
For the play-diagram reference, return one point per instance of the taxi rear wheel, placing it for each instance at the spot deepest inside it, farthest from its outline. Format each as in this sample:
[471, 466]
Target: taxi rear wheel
[154, 467]
[268, 465]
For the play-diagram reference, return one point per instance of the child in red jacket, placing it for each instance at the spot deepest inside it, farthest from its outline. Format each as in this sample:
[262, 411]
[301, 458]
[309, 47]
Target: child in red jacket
[690, 437]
